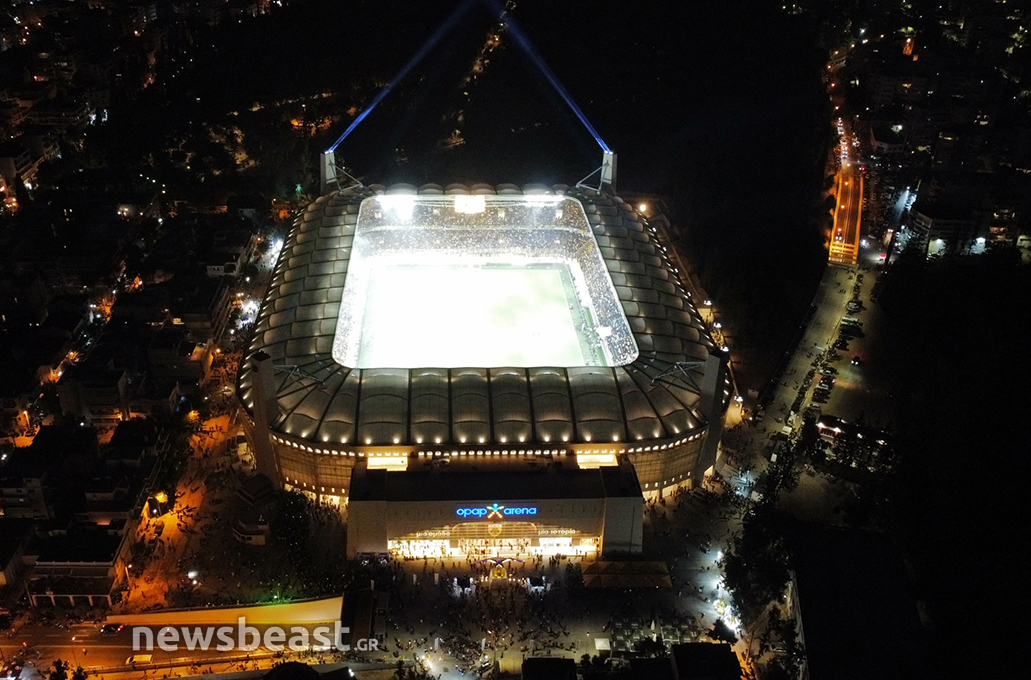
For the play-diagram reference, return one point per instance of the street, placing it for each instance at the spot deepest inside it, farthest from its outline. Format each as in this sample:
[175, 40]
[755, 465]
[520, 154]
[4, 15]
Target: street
[846, 231]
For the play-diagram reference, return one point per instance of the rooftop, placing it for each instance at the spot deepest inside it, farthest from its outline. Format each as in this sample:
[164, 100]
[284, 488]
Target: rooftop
[80, 544]
[548, 668]
[705, 661]
[134, 434]
[53, 448]
[495, 479]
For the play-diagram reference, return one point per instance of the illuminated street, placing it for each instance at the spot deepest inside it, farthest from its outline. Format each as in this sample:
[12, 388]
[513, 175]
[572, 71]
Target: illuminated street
[846, 229]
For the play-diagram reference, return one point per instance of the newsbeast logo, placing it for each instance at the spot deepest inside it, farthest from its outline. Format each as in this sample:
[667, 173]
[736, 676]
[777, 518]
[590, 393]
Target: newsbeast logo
[248, 638]
[496, 511]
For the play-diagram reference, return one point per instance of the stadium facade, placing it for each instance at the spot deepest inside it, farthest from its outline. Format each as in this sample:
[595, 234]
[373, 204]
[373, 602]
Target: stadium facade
[411, 448]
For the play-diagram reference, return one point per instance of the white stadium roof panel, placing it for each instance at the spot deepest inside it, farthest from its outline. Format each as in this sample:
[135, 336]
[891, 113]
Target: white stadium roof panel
[323, 401]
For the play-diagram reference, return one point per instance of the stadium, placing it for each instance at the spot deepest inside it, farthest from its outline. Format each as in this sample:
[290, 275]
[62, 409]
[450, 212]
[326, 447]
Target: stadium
[481, 371]
[424, 355]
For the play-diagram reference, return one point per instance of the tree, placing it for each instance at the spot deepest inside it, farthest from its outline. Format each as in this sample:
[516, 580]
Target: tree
[249, 271]
[756, 570]
[59, 670]
[808, 442]
[846, 450]
[721, 632]
[650, 647]
[954, 373]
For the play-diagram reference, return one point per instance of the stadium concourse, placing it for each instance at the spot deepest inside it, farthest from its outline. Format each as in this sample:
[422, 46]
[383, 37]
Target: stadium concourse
[593, 383]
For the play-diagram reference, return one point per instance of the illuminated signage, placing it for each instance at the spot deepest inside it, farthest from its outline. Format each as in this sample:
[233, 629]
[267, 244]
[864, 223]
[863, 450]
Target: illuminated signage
[435, 533]
[496, 511]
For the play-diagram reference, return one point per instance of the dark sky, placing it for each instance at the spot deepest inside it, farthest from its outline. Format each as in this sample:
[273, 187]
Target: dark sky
[672, 91]
[719, 108]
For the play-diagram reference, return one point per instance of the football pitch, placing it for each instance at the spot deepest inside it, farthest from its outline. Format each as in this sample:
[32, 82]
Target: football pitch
[489, 315]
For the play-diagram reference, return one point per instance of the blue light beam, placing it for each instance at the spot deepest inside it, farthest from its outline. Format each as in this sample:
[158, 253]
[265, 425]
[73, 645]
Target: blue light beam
[538, 61]
[412, 63]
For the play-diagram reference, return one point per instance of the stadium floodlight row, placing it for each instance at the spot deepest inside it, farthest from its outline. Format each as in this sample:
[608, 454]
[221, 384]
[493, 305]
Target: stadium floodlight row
[500, 274]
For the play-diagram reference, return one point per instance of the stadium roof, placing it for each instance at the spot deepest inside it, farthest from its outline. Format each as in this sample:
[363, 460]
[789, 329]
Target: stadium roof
[323, 401]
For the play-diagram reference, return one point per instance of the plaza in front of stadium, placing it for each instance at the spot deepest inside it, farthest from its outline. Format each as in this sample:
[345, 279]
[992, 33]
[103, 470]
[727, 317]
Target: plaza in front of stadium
[482, 370]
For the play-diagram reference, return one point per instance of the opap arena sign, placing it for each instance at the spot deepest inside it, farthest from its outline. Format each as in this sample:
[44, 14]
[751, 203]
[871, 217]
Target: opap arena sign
[496, 511]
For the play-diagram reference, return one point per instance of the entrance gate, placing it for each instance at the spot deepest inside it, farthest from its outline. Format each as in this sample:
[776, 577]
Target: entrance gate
[503, 539]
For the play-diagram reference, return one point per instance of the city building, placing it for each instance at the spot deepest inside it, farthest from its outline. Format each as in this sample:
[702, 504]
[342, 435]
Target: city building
[39, 481]
[705, 661]
[885, 140]
[552, 331]
[251, 527]
[18, 162]
[14, 534]
[548, 668]
[939, 228]
[453, 507]
[79, 564]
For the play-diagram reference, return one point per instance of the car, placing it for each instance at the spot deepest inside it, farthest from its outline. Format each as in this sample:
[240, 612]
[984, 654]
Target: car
[822, 397]
[111, 628]
[857, 361]
[829, 370]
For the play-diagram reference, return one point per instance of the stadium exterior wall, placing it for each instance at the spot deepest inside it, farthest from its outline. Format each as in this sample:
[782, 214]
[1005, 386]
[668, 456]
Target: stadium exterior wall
[323, 472]
[615, 522]
[306, 416]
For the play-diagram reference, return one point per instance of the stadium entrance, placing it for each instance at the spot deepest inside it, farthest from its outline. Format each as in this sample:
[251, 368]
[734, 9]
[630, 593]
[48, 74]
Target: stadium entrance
[494, 539]
[494, 508]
